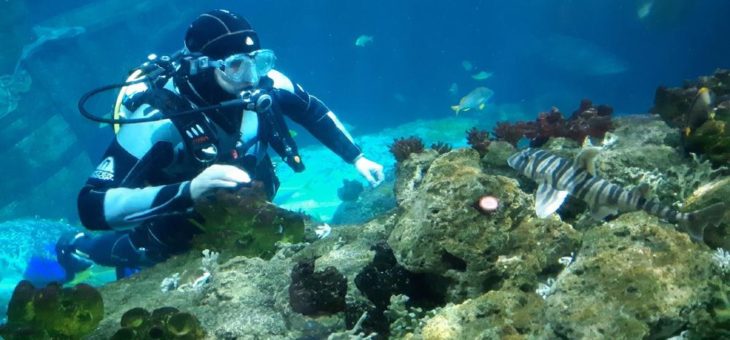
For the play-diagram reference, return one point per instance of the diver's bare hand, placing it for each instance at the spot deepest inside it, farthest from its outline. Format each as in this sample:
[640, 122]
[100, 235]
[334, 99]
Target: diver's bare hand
[217, 176]
[373, 172]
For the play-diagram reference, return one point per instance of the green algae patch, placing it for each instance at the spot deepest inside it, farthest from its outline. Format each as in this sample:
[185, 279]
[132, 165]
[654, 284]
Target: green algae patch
[244, 223]
[634, 277]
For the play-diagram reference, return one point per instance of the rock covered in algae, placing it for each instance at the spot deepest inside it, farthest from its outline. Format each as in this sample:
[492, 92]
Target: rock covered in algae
[503, 314]
[440, 232]
[245, 223]
[633, 278]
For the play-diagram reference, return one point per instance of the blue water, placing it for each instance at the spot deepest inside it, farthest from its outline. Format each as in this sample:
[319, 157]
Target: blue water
[541, 53]
[419, 47]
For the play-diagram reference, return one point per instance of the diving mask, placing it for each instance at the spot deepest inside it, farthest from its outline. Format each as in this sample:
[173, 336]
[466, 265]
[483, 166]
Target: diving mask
[247, 67]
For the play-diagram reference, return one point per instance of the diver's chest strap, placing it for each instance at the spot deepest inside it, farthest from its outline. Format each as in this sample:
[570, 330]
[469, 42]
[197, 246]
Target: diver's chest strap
[200, 138]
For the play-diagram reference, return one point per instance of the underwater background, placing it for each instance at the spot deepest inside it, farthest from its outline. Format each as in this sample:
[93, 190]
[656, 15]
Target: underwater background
[388, 69]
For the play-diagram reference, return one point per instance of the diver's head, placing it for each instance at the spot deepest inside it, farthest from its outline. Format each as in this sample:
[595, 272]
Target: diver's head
[232, 46]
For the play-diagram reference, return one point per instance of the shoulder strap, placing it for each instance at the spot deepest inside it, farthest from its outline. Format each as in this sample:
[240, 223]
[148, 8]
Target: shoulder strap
[199, 137]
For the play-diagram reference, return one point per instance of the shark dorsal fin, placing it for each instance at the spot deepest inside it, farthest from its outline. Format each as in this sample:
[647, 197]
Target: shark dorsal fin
[586, 158]
[548, 200]
[643, 190]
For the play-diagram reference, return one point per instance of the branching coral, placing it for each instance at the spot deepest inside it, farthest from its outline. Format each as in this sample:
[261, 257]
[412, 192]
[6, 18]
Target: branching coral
[402, 148]
[677, 183]
[479, 140]
[587, 120]
[441, 147]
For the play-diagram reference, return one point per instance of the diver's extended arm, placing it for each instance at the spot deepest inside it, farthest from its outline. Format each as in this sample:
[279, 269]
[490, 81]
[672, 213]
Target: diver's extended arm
[115, 195]
[313, 115]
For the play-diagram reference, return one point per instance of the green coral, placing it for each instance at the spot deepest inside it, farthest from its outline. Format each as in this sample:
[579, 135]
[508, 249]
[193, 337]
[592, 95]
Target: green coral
[54, 311]
[162, 323]
[244, 223]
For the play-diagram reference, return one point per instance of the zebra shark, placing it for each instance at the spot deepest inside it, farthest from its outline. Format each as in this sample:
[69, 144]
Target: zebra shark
[557, 177]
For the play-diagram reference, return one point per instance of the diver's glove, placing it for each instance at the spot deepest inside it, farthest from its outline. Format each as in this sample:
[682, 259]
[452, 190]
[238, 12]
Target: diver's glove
[373, 172]
[217, 176]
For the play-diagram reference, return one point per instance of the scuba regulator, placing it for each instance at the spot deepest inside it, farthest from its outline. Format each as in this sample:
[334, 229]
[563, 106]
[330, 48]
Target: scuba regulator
[157, 71]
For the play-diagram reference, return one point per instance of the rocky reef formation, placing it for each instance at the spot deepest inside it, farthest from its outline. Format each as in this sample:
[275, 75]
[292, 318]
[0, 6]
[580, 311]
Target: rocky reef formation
[245, 223]
[701, 110]
[437, 267]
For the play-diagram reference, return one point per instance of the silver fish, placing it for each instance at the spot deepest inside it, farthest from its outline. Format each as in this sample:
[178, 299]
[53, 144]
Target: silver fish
[557, 177]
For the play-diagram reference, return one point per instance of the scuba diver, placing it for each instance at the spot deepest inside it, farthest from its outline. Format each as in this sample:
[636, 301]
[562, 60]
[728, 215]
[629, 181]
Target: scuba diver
[143, 191]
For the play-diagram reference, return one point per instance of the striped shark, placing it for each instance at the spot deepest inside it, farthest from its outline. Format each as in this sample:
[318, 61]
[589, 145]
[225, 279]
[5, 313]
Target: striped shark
[557, 177]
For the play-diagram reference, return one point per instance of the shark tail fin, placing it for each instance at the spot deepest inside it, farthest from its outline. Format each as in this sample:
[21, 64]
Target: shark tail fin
[699, 219]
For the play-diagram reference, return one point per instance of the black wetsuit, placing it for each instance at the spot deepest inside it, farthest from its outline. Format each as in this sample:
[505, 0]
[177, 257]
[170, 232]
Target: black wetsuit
[141, 189]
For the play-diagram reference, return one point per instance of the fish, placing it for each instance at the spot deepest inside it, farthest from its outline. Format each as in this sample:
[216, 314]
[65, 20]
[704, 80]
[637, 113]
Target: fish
[482, 75]
[364, 40]
[558, 177]
[476, 99]
[645, 9]
[701, 108]
[467, 65]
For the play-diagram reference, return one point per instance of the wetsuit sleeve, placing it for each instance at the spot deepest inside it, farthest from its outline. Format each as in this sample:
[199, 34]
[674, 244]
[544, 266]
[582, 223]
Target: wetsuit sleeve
[313, 115]
[116, 195]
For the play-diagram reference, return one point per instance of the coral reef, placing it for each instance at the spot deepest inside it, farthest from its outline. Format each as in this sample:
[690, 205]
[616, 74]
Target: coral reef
[52, 312]
[634, 264]
[438, 268]
[701, 110]
[430, 236]
[162, 323]
[350, 190]
[313, 292]
[478, 140]
[441, 147]
[402, 148]
[245, 223]
[587, 120]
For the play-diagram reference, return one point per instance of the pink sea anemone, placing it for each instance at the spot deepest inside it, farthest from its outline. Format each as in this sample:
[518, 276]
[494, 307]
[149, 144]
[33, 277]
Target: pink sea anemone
[487, 204]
